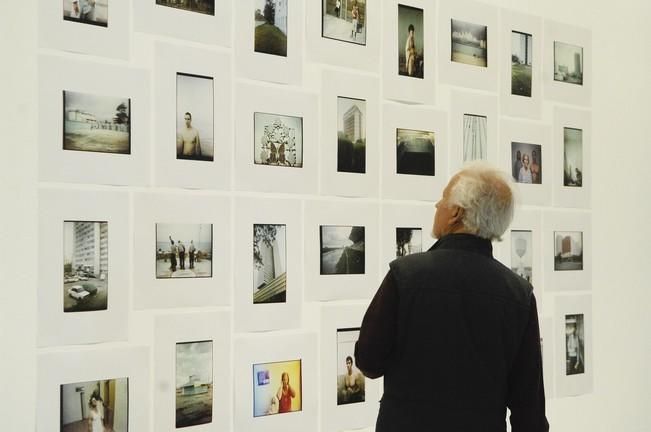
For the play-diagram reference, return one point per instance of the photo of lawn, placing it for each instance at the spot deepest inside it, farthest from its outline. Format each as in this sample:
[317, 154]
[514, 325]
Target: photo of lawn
[521, 55]
[271, 27]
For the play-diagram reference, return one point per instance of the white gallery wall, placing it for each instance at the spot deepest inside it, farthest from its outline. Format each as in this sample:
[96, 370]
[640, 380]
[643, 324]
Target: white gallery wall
[620, 205]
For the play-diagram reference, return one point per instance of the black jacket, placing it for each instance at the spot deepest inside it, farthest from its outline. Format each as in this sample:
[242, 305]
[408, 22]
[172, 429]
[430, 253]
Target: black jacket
[455, 334]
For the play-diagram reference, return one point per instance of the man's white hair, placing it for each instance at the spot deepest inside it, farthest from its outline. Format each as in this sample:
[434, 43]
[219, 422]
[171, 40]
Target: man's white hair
[488, 198]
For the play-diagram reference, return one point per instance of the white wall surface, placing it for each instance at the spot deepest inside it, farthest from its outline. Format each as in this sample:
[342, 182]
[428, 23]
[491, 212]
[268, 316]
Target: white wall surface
[621, 205]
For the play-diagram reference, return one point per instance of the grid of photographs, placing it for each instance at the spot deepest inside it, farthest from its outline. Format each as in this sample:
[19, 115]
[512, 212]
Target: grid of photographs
[469, 43]
[415, 152]
[93, 12]
[526, 160]
[522, 253]
[271, 27]
[183, 250]
[351, 135]
[194, 117]
[521, 63]
[475, 137]
[568, 63]
[568, 250]
[350, 381]
[194, 383]
[411, 43]
[101, 405]
[408, 241]
[277, 388]
[574, 345]
[342, 250]
[95, 123]
[269, 263]
[572, 157]
[206, 7]
[278, 140]
[344, 20]
[85, 266]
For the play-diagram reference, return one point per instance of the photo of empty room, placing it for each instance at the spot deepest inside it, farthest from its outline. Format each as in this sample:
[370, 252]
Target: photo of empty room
[574, 344]
[568, 63]
[342, 249]
[351, 135]
[271, 27]
[183, 250]
[568, 250]
[269, 263]
[194, 383]
[411, 48]
[95, 406]
[85, 266]
[521, 63]
[415, 152]
[572, 157]
[344, 20]
[475, 137]
[350, 381]
[522, 254]
[408, 241]
[469, 43]
[277, 388]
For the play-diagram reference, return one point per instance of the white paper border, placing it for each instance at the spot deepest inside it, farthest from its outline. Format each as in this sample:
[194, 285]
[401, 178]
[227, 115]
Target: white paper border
[515, 105]
[564, 92]
[269, 67]
[341, 53]
[405, 186]
[56, 327]
[529, 133]
[268, 348]
[565, 196]
[151, 208]
[267, 316]
[404, 88]
[177, 23]
[483, 78]
[171, 59]
[462, 103]
[171, 329]
[351, 416]
[67, 367]
[573, 385]
[340, 84]
[110, 41]
[275, 100]
[567, 280]
[57, 74]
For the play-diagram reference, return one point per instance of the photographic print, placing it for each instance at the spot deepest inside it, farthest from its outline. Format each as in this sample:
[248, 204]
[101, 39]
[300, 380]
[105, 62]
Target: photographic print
[85, 266]
[411, 48]
[277, 388]
[206, 7]
[475, 137]
[271, 27]
[278, 140]
[521, 66]
[526, 160]
[522, 254]
[269, 263]
[415, 152]
[350, 381]
[574, 345]
[344, 20]
[568, 250]
[342, 249]
[183, 250]
[568, 63]
[95, 406]
[351, 135]
[194, 117]
[96, 123]
[93, 12]
[572, 157]
[469, 43]
[194, 381]
[408, 241]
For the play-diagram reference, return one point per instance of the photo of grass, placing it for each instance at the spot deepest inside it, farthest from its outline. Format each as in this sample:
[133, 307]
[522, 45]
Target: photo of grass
[521, 65]
[271, 27]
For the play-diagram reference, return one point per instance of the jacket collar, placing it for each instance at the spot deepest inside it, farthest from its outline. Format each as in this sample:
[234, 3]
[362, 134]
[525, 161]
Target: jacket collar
[467, 242]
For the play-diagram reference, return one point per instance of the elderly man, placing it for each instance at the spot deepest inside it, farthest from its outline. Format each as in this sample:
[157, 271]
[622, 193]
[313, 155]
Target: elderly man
[453, 331]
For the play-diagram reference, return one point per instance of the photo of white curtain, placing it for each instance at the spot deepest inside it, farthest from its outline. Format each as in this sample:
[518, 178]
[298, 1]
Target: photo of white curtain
[475, 137]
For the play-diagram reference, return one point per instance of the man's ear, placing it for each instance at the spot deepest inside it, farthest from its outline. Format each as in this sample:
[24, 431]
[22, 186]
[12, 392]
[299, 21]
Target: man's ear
[456, 215]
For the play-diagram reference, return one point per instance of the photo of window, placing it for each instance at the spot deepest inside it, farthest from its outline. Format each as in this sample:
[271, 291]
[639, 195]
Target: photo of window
[277, 388]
